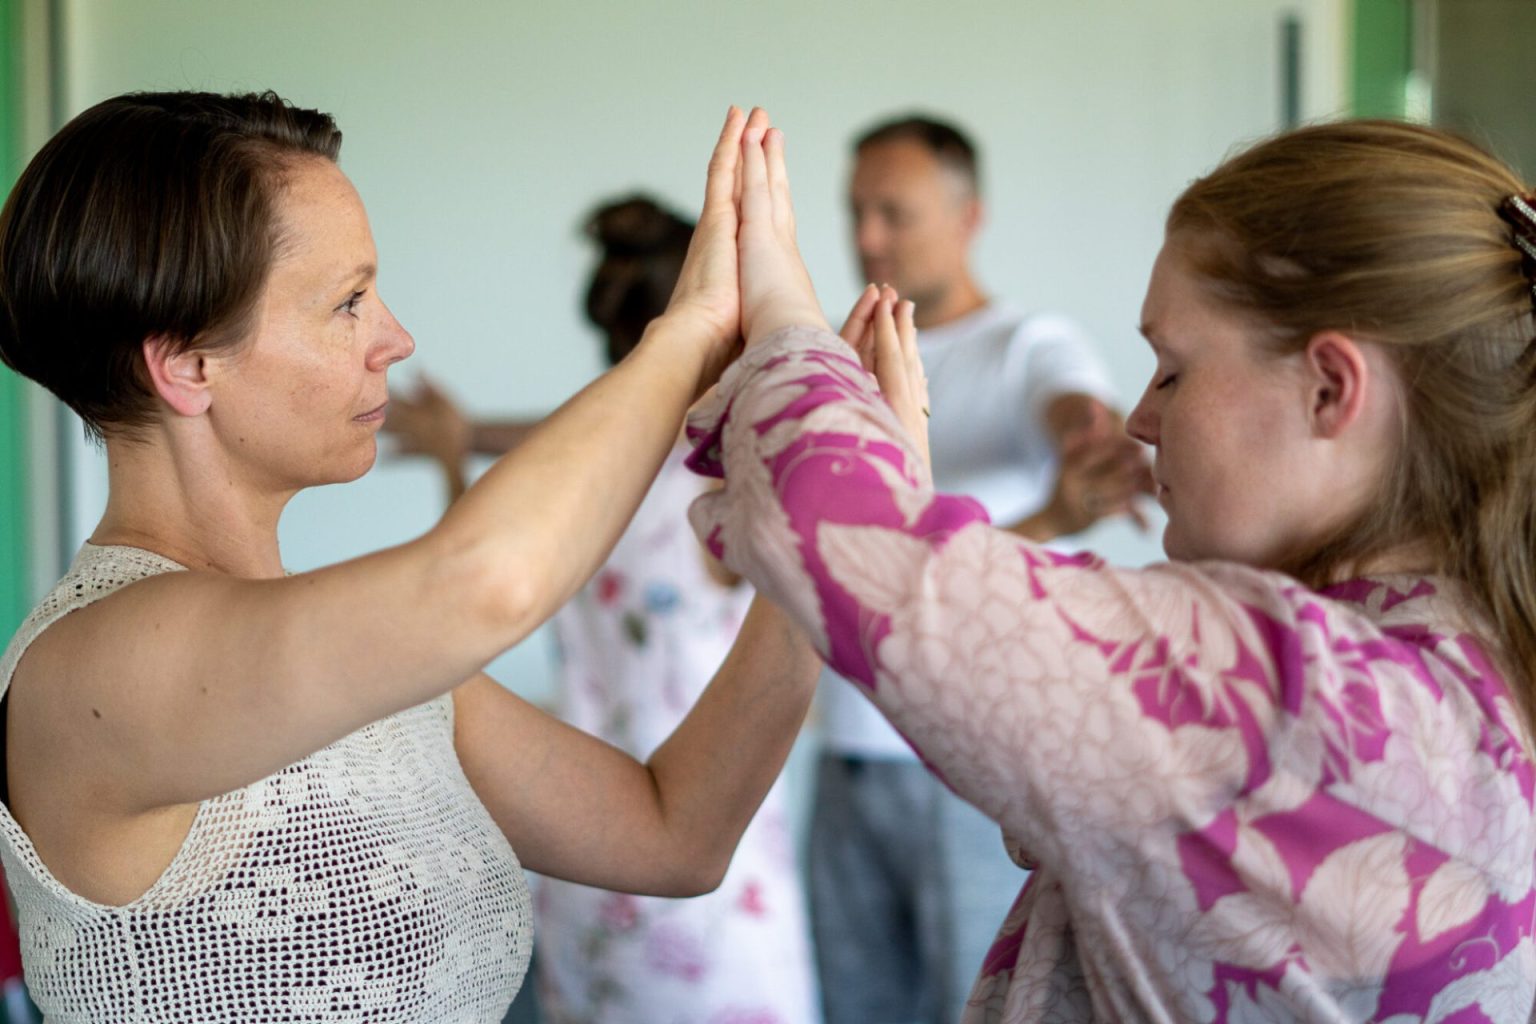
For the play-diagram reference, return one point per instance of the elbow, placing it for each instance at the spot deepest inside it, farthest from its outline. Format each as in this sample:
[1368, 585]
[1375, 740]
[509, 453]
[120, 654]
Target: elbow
[500, 601]
[698, 873]
[699, 880]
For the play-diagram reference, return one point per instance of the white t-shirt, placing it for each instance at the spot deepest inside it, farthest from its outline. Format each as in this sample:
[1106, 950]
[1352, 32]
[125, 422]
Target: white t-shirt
[991, 376]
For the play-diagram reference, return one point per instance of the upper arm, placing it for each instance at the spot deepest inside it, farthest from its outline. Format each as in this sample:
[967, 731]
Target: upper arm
[187, 685]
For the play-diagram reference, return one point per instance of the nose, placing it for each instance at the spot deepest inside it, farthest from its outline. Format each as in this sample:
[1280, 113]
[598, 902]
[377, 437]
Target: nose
[1143, 423]
[868, 235]
[392, 343]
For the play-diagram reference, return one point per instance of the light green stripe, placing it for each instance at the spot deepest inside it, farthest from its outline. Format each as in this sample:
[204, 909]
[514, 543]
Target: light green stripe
[14, 507]
[1383, 57]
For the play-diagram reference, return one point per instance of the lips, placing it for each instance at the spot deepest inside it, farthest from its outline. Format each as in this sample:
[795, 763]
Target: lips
[373, 415]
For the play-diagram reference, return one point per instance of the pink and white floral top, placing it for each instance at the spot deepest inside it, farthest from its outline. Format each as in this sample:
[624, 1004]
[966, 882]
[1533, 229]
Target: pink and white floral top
[1247, 801]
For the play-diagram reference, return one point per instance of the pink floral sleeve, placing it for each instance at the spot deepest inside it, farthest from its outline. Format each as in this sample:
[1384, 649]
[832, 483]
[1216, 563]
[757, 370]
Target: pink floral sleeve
[1243, 794]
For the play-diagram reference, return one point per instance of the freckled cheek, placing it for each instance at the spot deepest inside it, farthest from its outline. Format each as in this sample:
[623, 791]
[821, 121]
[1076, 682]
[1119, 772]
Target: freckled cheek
[313, 387]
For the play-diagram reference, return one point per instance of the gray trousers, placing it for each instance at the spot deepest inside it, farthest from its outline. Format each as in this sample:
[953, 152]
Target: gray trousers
[908, 885]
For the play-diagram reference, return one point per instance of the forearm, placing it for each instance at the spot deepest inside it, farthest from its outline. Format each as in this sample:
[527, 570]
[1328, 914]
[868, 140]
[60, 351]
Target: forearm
[580, 809]
[714, 771]
[547, 513]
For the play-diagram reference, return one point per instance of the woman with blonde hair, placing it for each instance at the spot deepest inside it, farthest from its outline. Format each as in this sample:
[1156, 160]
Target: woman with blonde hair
[1287, 775]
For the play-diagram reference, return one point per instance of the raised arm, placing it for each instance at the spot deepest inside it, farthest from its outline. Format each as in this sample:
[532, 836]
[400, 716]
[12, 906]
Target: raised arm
[191, 684]
[1037, 685]
[1030, 681]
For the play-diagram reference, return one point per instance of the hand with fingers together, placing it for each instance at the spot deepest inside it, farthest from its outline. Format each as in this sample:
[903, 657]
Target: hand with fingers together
[881, 329]
[776, 290]
[707, 299]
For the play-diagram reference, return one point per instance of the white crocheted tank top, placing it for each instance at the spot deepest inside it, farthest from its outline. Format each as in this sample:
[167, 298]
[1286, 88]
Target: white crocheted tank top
[365, 883]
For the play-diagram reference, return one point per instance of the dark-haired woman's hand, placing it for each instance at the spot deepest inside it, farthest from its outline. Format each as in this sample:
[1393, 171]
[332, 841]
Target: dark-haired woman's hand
[706, 304]
[776, 290]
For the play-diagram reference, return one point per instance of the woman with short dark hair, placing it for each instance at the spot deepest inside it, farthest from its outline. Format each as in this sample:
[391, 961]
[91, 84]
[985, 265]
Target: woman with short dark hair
[239, 795]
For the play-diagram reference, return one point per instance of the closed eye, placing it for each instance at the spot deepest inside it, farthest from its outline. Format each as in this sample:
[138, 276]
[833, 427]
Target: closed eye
[1167, 380]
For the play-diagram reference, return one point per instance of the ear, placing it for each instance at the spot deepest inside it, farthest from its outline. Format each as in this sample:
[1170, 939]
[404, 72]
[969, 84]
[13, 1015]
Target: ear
[179, 376]
[1338, 377]
[974, 215]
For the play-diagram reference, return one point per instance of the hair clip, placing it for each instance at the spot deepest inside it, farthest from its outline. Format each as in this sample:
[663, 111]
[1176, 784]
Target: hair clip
[1520, 213]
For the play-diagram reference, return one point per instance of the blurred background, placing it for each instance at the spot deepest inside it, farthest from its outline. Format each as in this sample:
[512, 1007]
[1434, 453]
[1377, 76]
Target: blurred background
[478, 134]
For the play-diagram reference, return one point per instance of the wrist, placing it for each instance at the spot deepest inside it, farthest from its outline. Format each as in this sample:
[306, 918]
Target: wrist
[774, 314]
[688, 347]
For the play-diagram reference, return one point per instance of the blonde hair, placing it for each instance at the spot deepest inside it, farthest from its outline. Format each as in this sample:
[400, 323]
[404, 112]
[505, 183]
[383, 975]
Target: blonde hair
[1391, 233]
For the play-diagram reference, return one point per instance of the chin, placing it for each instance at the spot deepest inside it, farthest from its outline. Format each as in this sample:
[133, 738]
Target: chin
[1181, 548]
[1173, 544]
[348, 467]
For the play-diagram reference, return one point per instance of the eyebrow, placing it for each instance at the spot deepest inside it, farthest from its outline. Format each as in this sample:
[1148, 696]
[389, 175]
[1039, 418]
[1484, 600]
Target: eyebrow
[363, 271]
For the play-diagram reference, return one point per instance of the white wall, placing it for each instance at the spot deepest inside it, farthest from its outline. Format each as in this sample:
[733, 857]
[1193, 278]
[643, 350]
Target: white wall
[478, 132]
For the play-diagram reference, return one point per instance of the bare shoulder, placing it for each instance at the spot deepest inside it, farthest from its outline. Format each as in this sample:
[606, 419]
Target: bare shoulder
[76, 684]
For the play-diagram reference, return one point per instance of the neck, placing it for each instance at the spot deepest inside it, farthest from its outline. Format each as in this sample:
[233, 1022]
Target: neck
[959, 299]
[164, 497]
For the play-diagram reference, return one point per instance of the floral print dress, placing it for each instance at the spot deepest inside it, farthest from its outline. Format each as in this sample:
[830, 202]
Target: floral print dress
[1246, 800]
[637, 646]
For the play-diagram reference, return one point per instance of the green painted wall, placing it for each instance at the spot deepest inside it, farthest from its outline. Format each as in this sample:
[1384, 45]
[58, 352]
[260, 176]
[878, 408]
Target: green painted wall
[1383, 57]
[15, 597]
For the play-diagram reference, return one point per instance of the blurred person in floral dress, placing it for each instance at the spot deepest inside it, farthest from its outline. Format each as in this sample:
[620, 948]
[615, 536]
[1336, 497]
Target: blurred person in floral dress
[636, 646]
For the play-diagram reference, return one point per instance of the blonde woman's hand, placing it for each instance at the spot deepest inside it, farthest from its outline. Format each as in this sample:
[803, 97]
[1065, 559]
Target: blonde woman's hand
[705, 308]
[776, 290]
[858, 329]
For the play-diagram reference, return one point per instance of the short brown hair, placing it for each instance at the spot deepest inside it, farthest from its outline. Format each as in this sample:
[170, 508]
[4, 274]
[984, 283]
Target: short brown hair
[149, 214]
[1391, 232]
[949, 145]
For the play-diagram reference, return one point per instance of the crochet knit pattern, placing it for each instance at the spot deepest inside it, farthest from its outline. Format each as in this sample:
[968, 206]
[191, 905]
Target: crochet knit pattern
[366, 882]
